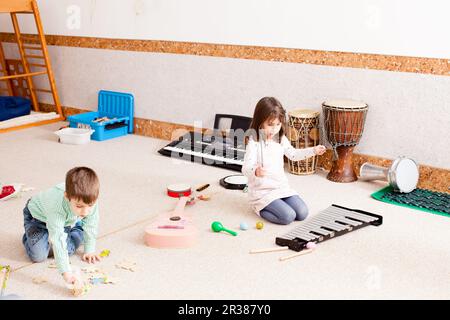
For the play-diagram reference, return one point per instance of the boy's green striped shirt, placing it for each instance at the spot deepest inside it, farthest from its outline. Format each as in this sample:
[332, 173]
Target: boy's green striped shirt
[52, 208]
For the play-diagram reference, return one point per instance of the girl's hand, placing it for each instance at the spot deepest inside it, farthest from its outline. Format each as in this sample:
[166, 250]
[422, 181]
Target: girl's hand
[319, 150]
[90, 257]
[260, 172]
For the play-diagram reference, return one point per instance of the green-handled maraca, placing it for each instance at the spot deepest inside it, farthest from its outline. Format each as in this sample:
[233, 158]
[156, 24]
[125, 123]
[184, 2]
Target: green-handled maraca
[216, 226]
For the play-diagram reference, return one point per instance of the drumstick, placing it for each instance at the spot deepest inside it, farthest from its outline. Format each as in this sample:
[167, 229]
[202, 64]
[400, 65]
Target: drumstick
[261, 142]
[203, 187]
[269, 249]
[296, 254]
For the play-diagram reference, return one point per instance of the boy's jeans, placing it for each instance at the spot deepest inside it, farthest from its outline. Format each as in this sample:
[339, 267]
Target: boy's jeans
[35, 238]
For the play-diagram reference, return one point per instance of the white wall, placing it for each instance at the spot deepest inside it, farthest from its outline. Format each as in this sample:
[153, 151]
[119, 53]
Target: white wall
[408, 112]
[394, 27]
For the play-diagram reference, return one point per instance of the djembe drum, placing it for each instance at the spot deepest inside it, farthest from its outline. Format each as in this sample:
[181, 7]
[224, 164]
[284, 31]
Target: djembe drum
[343, 124]
[303, 132]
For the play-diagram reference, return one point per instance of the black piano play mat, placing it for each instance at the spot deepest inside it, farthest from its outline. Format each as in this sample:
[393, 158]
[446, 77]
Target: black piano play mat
[419, 199]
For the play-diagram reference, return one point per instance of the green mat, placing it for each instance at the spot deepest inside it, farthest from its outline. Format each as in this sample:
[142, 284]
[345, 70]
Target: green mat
[419, 199]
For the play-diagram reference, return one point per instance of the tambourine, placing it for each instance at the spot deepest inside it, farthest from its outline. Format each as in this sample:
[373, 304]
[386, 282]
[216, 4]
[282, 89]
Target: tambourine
[234, 182]
[179, 190]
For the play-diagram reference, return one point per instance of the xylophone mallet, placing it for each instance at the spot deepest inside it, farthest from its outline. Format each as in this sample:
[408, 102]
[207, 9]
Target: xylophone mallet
[273, 249]
[296, 254]
[309, 245]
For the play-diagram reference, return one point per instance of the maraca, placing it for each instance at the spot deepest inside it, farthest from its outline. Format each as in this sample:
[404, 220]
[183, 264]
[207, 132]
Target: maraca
[216, 226]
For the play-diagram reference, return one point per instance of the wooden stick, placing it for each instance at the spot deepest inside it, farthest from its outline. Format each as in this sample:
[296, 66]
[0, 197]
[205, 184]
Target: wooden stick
[203, 187]
[33, 124]
[30, 47]
[262, 147]
[296, 254]
[42, 90]
[23, 75]
[273, 249]
[33, 56]
[4, 70]
[37, 65]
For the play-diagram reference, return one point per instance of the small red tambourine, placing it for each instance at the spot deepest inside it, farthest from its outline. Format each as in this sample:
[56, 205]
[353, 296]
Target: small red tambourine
[179, 190]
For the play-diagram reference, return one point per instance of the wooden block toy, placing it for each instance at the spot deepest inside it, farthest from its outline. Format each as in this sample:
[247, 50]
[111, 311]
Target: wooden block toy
[39, 280]
[105, 253]
[127, 265]
[91, 269]
[204, 197]
[80, 288]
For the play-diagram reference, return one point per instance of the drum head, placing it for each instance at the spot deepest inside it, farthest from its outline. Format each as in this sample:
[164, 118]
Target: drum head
[179, 190]
[345, 104]
[404, 174]
[236, 182]
[303, 113]
[179, 187]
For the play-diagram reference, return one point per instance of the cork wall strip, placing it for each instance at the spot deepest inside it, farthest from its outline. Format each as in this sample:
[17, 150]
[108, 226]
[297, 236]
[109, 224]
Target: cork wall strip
[316, 57]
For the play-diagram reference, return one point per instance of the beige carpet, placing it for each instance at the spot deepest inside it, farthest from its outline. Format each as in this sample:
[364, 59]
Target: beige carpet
[408, 257]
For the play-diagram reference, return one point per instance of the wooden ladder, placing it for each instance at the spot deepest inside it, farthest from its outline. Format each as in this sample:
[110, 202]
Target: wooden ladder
[4, 71]
[38, 47]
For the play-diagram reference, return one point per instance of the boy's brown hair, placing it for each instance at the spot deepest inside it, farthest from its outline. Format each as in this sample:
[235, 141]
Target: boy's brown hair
[82, 184]
[268, 108]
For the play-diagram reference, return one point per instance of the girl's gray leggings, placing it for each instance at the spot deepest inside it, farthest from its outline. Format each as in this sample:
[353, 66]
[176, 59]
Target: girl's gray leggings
[285, 210]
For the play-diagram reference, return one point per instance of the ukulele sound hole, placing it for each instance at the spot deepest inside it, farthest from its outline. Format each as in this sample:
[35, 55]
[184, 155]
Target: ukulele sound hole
[176, 218]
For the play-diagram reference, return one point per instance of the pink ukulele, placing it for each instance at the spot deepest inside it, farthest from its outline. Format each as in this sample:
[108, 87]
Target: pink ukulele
[173, 229]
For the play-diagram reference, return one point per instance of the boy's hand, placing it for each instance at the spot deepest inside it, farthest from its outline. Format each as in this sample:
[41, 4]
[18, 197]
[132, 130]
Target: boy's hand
[90, 257]
[319, 150]
[260, 172]
[70, 278]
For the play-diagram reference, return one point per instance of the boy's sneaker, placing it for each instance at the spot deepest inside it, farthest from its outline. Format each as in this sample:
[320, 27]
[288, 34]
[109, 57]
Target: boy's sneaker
[6, 191]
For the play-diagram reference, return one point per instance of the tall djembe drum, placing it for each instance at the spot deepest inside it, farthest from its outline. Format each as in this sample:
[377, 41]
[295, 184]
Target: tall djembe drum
[343, 124]
[303, 132]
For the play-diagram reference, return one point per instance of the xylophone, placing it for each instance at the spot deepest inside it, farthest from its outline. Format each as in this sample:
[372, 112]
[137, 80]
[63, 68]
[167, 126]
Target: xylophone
[329, 223]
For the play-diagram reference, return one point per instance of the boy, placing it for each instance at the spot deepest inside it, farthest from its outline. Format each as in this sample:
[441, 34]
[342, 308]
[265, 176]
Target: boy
[60, 218]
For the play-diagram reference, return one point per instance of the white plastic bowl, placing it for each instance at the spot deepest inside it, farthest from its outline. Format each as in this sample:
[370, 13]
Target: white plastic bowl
[74, 135]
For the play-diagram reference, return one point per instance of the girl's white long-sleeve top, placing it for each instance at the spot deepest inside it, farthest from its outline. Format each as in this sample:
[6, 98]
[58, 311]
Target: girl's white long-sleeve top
[269, 154]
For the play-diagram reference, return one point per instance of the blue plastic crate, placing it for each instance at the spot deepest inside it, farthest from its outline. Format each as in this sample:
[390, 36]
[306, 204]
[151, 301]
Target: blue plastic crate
[117, 106]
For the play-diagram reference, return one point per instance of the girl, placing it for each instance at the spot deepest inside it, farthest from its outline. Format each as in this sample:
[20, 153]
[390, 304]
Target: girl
[268, 189]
